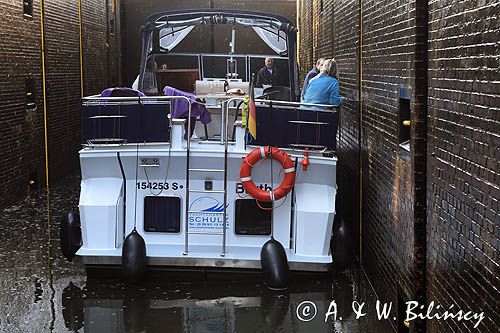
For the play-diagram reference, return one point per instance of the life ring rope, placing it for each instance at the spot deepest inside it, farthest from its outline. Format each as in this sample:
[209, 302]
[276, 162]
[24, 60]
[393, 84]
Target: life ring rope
[278, 206]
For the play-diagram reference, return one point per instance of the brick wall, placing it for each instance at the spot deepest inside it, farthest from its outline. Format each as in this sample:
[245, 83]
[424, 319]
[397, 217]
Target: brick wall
[22, 144]
[305, 37]
[345, 23]
[464, 160]
[387, 216]
[387, 182]
[429, 227]
[20, 147]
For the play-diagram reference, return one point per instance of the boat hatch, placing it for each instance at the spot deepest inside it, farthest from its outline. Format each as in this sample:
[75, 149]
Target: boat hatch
[162, 214]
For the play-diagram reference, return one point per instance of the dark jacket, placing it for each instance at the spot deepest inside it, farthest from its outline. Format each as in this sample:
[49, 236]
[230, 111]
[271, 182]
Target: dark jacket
[264, 77]
[312, 73]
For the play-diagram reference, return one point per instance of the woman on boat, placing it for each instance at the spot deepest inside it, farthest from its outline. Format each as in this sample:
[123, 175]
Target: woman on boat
[324, 88]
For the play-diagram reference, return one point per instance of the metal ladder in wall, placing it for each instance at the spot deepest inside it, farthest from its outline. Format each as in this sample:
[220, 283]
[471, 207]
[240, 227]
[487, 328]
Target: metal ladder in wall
[190, 190]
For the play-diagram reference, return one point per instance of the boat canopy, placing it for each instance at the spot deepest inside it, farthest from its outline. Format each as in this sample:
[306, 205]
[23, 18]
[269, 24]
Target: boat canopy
[174, 26]
[163, 31]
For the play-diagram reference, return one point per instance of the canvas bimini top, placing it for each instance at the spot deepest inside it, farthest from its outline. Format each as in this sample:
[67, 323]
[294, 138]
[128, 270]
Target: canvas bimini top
[163, 31]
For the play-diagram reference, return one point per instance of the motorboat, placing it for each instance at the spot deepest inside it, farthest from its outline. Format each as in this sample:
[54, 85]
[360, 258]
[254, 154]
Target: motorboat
[159, 188]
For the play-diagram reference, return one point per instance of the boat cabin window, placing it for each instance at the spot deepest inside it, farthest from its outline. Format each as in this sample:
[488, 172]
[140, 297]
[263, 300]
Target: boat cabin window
[181, 71]
[218, 66]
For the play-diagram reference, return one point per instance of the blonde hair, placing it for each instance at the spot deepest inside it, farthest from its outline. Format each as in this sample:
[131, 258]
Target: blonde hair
[330, 68]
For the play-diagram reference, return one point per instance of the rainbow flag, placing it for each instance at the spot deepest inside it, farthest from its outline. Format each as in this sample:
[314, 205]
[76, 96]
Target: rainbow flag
[252, 115]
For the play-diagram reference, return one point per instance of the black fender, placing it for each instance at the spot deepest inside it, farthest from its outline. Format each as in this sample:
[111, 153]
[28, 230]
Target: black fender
[342, 241]
[134, 259]
[71, 235]
[274, 264]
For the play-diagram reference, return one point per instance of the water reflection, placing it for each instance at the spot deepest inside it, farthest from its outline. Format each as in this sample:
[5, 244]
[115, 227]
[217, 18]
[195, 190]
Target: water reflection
[210, 306]
[72, 307]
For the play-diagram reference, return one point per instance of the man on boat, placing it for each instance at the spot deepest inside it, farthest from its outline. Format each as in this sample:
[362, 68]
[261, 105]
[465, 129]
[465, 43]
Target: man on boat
[267, 76]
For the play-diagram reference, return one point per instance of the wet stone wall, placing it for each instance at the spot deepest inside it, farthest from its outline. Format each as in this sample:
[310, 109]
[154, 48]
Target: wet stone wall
[388, 55]
[21, 149]
[388, 41]
[328, 29]
[345, 22]
[463, 228]
[430, 212]
[22, 122]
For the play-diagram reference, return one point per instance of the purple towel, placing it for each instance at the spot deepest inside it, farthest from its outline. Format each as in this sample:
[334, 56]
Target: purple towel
[121, 92]
[180, 107]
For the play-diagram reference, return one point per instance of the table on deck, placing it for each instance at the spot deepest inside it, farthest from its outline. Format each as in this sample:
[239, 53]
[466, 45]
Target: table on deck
[220, 100]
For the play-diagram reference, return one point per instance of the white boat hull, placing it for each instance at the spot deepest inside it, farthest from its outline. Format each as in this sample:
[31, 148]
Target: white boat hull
[112, 203]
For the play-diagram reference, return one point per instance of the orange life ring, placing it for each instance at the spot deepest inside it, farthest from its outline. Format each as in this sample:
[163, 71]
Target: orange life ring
[246, 173]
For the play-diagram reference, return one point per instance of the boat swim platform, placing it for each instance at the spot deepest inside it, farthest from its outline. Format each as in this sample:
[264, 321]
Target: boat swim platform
[205, 256]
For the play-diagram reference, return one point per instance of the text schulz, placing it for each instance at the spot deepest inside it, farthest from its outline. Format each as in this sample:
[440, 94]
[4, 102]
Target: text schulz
[307, 310]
